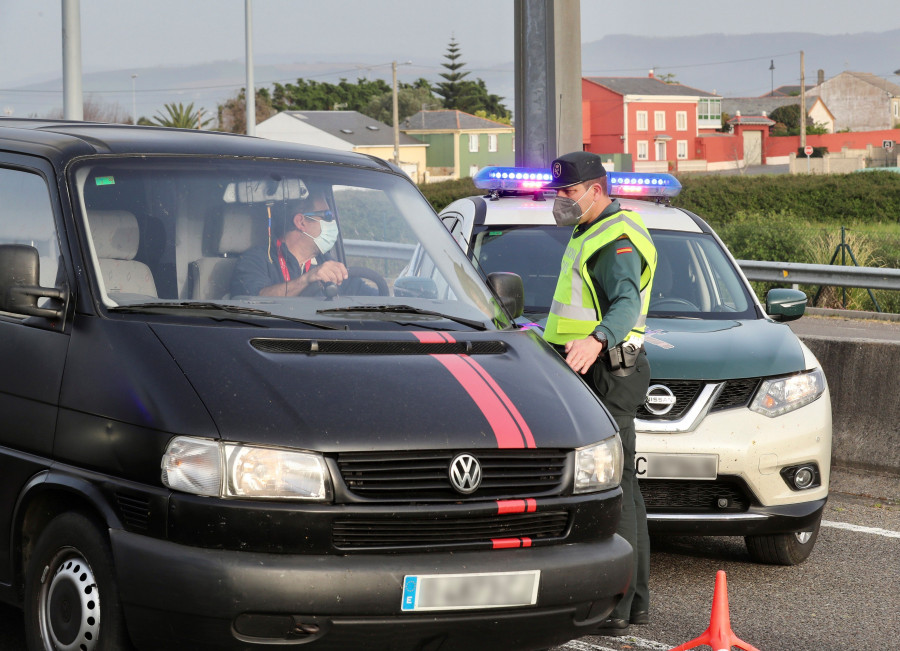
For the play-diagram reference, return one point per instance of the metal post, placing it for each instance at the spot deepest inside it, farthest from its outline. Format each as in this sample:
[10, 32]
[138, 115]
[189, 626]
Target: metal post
[73, 103]
[803, 104]
[133, 100]
[251, 88]
[396, 112]
[535, 108]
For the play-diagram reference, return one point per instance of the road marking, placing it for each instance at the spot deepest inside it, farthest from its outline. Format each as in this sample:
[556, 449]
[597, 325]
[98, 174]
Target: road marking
[633, 642]
[887, 533]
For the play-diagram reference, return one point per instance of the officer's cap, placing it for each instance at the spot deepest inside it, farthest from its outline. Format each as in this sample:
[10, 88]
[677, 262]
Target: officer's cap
[577, 167]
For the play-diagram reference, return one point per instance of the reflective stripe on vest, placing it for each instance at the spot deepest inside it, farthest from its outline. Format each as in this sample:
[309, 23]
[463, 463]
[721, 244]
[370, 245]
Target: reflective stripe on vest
[575, 311]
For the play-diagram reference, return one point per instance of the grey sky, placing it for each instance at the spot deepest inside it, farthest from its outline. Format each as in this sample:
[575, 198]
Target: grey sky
[121, 34]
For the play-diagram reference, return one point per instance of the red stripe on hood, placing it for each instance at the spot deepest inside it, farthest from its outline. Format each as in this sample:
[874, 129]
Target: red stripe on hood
[523, 426]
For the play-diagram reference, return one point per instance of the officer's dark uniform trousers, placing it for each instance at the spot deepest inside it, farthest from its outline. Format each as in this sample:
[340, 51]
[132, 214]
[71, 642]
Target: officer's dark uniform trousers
[622, 396]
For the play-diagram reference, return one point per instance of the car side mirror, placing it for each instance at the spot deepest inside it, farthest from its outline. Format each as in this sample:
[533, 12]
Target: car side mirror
[511, 291]
[19, 285]
[785, 304]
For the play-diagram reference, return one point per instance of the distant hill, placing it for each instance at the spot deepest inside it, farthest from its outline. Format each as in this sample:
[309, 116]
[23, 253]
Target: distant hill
[727, 64]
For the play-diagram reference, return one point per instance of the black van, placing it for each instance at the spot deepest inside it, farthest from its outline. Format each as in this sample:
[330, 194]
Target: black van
[382, 461]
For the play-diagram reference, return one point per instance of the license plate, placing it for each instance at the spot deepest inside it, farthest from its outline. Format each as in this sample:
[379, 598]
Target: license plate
[462, 591]
[650, 465]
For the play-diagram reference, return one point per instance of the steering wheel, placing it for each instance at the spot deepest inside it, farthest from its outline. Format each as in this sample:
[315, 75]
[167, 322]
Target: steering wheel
[675, 302]
[360, 281]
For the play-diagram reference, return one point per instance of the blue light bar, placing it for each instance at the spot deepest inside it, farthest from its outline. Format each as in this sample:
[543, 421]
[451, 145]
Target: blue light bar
[637, 184]
[519, 179]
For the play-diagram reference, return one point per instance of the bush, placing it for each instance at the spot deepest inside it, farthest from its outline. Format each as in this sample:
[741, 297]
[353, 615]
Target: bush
[440, 195]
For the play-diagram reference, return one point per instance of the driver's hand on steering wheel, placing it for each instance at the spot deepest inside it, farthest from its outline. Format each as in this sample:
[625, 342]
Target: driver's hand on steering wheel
[330, 271]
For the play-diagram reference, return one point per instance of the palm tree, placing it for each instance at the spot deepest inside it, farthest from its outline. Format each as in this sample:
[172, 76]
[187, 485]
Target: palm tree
[182, 117]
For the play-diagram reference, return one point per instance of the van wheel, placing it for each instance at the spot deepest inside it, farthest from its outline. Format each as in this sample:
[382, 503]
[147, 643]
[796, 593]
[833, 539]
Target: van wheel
[71, 596]
[783, 548]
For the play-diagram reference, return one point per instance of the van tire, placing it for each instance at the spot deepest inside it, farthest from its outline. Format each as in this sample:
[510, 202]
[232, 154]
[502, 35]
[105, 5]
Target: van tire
[783, 548]
[71, 596]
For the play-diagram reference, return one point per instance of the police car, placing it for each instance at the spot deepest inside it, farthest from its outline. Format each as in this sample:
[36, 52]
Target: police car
[734, 437]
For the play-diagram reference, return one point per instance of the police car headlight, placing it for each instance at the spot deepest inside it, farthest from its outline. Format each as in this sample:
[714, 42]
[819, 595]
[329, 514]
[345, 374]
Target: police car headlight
[205, 467]
[779, 396]
[599, 467]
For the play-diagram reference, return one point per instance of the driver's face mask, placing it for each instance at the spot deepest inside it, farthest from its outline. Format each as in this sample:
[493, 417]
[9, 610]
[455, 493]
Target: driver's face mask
[329, 230]
[567, 212]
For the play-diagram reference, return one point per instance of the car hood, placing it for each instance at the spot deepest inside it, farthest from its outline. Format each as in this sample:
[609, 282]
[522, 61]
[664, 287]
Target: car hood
[720, 350]
[337, 391]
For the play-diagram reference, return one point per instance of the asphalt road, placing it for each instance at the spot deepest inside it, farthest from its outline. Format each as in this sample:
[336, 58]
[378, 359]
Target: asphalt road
[846, 596]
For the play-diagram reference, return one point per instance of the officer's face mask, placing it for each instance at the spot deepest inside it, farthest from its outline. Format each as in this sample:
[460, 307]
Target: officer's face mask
[568, 212]
[327, 235]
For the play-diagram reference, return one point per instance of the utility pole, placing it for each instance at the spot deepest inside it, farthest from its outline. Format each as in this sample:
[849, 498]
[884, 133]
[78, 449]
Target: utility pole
[396, 112]
[73, 103]
[772, 73]
[251, 88]
[802, 101]
[133, 100]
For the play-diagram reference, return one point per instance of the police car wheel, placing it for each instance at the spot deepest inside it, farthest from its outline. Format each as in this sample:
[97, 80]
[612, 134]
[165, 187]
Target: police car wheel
[785, 548]
[71, 596]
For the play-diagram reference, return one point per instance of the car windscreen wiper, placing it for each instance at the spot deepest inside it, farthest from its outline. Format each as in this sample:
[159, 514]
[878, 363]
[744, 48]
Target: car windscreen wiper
[404, 309]
[153, 308]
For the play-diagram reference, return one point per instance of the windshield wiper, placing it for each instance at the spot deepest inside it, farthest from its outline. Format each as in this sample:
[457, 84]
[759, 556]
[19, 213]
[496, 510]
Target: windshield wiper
[230, 309]
[404, 309]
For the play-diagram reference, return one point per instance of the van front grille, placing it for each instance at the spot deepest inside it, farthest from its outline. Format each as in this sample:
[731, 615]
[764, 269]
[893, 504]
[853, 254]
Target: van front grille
[424, 475]
[421, 532]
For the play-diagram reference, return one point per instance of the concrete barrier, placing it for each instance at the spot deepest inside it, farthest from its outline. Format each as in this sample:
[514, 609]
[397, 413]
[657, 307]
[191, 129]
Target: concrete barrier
[864, 381]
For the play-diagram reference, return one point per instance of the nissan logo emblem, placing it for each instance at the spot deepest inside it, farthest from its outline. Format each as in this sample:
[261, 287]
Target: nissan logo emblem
[465, 473]
[660, 400]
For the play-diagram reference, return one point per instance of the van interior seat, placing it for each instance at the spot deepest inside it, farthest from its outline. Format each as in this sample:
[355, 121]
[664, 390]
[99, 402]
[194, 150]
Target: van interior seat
[116, 238]
[226, 235]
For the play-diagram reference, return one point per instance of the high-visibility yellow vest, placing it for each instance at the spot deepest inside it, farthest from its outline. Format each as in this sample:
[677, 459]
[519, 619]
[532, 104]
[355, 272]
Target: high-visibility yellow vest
[575, 311]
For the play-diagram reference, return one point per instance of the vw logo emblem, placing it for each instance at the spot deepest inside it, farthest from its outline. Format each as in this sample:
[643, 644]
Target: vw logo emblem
[557, 170]
[660, 400]
[465, 473]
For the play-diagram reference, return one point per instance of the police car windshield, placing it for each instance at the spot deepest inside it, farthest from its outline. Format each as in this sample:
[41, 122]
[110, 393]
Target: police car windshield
[201, 230]
[694, 277]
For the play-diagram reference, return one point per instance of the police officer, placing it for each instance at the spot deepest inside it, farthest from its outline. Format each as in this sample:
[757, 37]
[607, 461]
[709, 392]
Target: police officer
[597, 323]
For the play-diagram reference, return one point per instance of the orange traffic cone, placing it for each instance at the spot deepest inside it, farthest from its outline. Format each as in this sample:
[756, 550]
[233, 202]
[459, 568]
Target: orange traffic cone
[719, 635]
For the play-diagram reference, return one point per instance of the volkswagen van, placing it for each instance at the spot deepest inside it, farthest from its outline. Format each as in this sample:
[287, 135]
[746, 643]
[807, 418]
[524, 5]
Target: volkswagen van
[384, 463]
[734, 437]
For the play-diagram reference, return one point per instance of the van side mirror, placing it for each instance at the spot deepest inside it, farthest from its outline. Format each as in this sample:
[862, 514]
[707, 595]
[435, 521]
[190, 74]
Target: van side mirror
[19, 284]
[785, 304]
[511, 291]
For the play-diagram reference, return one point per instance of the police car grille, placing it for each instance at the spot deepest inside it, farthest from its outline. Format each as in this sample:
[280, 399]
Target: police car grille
[685, 393]
[422, 532]
[424, 475]
[355, 347]
[736, 393]
[684, 496]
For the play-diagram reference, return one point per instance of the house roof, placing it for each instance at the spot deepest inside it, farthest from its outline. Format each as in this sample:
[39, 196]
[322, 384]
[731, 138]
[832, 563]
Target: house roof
[449, 120]
[353, 127]
[874, 80]
[751, 119]
[760, 105]
[788, 91]
[646, 86]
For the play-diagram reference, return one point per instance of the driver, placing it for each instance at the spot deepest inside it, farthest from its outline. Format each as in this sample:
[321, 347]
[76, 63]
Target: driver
[290, 264]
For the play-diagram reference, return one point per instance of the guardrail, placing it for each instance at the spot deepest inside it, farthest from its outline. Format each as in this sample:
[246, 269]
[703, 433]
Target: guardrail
[373, 249]
[798, 273]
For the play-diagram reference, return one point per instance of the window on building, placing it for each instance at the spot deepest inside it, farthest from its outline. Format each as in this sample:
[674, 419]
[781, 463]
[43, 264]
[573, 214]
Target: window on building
[682, 151]
[709, 109]
[643, 150]
[492, 142]
[681, 120]
[641, 120]
[659, 120]
[473, 142]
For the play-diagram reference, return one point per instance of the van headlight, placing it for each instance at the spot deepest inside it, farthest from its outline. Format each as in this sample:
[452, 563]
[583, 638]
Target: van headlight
[205, 467]
[599, 467]
[778, 396]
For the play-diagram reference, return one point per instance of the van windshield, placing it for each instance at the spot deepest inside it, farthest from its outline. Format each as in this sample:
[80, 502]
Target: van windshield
[285, 238]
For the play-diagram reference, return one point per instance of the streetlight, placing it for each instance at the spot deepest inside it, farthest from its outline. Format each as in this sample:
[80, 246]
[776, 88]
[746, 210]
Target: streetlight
[396, 111]
[133, 100]
[772, 73]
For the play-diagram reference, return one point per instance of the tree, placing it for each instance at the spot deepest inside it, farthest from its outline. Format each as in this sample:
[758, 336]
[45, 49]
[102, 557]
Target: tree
[182, 117]
[323, 96]
[233, 112]
[411, 98]
[787, 120]
[452, 87]
[464, 94]
[95, 111]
